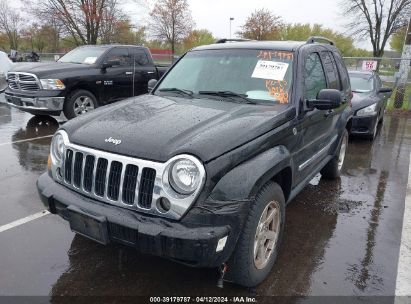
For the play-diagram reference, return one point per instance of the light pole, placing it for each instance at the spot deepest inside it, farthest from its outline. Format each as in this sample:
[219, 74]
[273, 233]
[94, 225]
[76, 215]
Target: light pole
[231, 20]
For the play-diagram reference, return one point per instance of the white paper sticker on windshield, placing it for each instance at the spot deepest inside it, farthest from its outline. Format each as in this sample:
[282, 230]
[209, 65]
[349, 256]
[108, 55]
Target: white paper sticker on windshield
[90, 60]
[270, 70]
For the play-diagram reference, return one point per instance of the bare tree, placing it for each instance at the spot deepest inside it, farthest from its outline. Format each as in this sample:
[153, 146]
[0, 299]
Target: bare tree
[171, 21]
[111, 17]
[10, 23]
[80, 19]
[261, 25]
[377, 19]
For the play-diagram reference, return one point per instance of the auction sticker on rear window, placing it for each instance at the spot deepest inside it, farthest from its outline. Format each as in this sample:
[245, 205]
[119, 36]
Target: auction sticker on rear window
[271, 70]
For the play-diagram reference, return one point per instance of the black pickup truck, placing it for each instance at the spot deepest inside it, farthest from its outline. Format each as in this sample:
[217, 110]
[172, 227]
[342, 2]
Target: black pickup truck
[83, 79]
[201, 169]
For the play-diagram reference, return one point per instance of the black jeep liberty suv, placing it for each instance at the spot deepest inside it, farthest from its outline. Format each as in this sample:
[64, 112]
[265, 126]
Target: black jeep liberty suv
[200, 170]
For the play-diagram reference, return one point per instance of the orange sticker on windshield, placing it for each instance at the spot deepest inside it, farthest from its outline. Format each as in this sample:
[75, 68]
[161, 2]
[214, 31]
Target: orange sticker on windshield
[269, 55]
[278, 90]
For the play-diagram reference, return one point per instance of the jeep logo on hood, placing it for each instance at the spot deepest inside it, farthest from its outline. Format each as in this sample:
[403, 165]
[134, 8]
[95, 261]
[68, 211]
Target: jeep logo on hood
[113, 141]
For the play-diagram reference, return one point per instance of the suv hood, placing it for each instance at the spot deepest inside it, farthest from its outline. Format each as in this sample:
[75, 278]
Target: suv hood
[158, 128]
[42, 69]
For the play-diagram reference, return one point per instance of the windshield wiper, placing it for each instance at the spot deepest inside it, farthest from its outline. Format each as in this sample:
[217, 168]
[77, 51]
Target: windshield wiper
[242, 97]
[177, 90]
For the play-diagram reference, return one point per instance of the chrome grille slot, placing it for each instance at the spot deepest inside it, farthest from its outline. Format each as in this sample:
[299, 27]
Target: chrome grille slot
[29, 86]
[146, 188]
[129, 184]
[113, 188]
[68, 165]
[88, 173]
[27, 77]
[78, 165]
[100, 182]
[11, 77]
[13, 86]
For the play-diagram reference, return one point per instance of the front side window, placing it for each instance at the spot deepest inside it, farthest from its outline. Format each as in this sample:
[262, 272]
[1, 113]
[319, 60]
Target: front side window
[140, 57]
[119, 54]
[314, 77]
[258, 75]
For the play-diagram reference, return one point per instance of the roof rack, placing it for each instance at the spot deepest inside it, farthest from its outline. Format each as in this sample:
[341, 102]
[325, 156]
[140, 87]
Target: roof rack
[232, 40]
[319, 39]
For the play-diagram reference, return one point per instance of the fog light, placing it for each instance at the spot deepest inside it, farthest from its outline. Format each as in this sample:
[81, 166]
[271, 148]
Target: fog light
[163, 205]
[221, 244]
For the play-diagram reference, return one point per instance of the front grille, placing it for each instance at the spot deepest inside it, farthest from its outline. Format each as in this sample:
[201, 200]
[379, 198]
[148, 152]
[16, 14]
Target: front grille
[23, 82]
[109, 180]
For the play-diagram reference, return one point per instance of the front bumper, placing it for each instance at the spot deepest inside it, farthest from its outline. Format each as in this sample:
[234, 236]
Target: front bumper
[36, 103]
[364, 125]
[192, 242]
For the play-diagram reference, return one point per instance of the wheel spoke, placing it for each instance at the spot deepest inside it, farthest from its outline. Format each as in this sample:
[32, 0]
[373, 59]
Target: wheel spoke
[271, 235]
[271, 216]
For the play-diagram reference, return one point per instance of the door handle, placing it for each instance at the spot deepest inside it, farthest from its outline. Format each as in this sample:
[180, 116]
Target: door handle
[129, 73]
[329, 113]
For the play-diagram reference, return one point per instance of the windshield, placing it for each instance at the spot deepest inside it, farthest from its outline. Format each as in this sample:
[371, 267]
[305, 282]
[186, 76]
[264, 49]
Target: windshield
[254, 75]
[86, 55]
[361, 83]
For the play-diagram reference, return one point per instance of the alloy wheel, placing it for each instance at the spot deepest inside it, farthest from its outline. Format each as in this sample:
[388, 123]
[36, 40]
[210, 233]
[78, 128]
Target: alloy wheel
[82, 105]
[266, 235]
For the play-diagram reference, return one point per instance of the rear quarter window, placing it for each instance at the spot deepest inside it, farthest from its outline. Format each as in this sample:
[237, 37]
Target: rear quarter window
[345, 79]
[331, 70]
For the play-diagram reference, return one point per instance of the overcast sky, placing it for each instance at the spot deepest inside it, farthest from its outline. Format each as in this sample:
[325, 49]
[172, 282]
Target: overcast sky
[214, 15]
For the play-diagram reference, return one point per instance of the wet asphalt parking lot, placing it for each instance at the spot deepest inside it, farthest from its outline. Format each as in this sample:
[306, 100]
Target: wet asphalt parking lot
[342, 237]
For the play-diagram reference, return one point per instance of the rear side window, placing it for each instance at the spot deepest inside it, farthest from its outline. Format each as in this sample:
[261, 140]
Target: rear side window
[345, 80]
[119, 54]
[331, 71]
[314, 78]
[140, 57]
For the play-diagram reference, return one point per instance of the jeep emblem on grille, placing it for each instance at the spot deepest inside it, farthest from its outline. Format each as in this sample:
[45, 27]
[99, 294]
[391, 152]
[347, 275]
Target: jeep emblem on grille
[113, 141]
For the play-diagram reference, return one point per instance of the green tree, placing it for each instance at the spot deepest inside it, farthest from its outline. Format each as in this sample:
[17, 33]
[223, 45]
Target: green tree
[261, 25]
[197, 38]
[397, 39]
[301, 32]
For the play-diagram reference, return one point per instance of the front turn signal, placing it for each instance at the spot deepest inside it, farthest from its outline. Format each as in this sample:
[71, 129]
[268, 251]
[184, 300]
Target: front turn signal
[49, 164]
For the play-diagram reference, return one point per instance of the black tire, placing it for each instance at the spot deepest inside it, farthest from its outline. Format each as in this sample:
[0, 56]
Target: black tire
[70, 106]
[241, 267]
[332, 170]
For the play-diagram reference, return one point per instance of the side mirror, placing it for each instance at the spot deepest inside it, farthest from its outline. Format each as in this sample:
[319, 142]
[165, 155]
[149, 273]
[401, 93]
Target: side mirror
[110, 63]
[151, 84]
[327, 99]
[385, 90]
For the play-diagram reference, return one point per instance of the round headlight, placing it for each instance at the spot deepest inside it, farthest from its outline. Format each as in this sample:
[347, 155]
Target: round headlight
[57, 147]
[184, 176]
